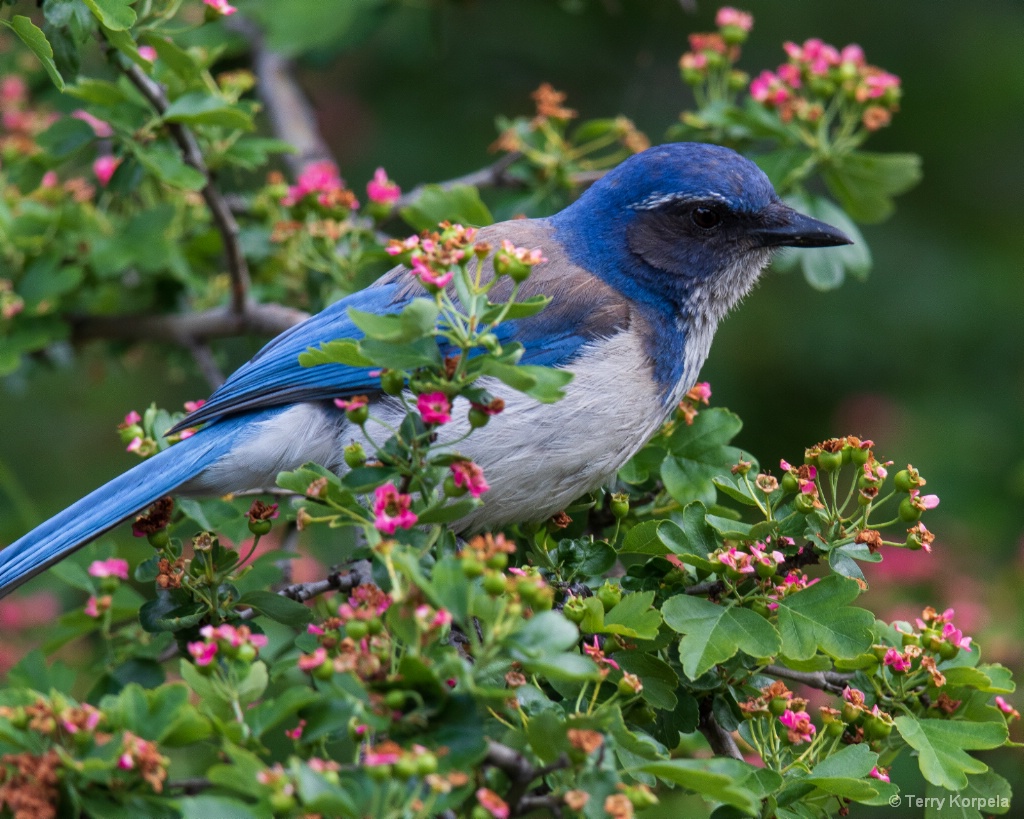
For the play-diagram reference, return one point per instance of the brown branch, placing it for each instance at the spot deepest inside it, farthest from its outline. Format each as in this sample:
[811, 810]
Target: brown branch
[720, 740]
[206, 363]
[832, 681]
[187, 329]
[343, 580]
[520, 771]
[223, 218]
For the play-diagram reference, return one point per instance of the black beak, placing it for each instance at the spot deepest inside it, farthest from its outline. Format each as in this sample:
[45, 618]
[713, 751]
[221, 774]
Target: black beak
[784, 227]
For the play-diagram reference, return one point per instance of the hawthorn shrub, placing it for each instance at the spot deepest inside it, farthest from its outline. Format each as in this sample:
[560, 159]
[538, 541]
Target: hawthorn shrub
[688, 636]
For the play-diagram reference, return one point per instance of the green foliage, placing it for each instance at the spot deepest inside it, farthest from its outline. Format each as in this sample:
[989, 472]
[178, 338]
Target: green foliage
[428, 673]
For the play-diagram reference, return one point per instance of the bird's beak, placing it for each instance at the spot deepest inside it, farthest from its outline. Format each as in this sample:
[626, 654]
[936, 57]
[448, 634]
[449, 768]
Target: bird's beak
[784, 227]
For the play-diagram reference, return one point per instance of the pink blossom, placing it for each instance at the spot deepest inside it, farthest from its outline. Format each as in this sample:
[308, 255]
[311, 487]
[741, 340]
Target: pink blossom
[192, 406]
[321, 178]
[923, 501]
[202, 652]
[595, 653]
[391, 509]
[353, 403]
[428, 275]
[728, 16]
[309, 662]
[99, 127]
[469, 476]
[1007, 708]
[882, 774]
[112, 567]
[221, 6]
[296, 732]
[954, 636]
[701, 391]
[854, 695]
[434, 408]
[148, 53]
[382, 190]
[49, 180]
[769, 89]
[134, 445]
[388, 756]
[13, 90]
[125, 762]
[492, 803]
[96, 606]
[852, 53]
[801, 729]
[790, 74]
[130, 419]
[312, 628]
[104, 168]
[898, 662]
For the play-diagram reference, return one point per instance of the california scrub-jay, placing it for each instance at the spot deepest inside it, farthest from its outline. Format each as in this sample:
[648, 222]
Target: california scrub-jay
[640, 269]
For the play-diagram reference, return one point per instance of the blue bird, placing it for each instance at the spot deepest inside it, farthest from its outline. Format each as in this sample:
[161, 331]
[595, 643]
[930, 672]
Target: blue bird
[641, 268]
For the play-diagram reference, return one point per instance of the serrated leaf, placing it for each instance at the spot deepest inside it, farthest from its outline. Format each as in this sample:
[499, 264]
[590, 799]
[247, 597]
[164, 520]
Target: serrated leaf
[818, 618]
[985, 790]
[717, 779]
[543, 383]
[117, 15]
[942, 745]
[32, 36]
[459, 203]
[634, 616]
[167, 166]
[201, 108]
[415, 321]
[660, 681]
[714, 633]
[864, 183]
[343, 351]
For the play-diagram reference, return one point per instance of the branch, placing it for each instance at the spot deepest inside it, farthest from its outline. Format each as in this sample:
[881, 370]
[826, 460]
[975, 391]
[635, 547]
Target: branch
[223, 218]
[343, 580]
[292, 117]
[720, 740]
[832, 681]
[206, 363]
[491, 176]
[520, 772]
[187, 329]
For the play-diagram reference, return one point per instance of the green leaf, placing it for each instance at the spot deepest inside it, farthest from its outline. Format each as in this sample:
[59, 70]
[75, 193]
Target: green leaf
[988, 791]
[864, 183]
[714, 633]
[66, 136]
[167, 166]
[699, 454]
[717, 779]
[276, 607]
[634, 616]
[223, 807]
[643, 539]
[32, 36]
[117, 15]
[818, 618]
[343, 351]
[75, 575]
[543, 383]
[659, 680]
[845, 774]
[942, 745]
[416, 321]
[546, 733]
[459, 203]
[200, 108]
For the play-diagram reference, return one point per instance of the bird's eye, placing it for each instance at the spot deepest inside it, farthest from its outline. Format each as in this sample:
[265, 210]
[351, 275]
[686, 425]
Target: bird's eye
[705, 218]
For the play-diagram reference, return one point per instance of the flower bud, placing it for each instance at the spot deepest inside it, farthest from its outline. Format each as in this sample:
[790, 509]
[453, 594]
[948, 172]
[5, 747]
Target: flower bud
[574, 609]
[609, 594]
[494, 583]
[804, 504]
[260, 527]
[355, 455]
[357, 629]
[830, 461]
[619, 505]
[908, 511]
[426, 764]
[158, 539]
[478, 418]
[471, 567]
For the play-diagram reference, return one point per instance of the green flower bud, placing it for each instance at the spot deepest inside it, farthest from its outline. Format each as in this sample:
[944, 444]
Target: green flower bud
[478, 418]
[497, 561]
[908, 511]
[395, 700]
[830, 461]
[574, 609]
[619, 505]
[357, 629]
[355, 455]
[158, 539]
[471, 567]
[804, 503]
[494, 583]
[260, 527]
[609, 594]
[426, 764]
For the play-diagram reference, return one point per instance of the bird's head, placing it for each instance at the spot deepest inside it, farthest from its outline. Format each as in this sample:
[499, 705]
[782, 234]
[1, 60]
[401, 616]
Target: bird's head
[685, 228]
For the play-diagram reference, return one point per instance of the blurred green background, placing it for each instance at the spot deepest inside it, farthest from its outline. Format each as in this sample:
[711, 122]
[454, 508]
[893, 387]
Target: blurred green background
[926, 357]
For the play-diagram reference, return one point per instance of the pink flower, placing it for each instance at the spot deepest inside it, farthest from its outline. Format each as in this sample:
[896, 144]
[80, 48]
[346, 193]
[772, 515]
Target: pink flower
[202, 652]
[702, 390]
[882, 774]
[130, 419]
[112, 567]
[382, 190]
[312, 628]
[99, 127]
[428, 275]
[952, 635]
[596, 653]
[310, 662]
[13, 90]
[95, 606]
[125, 762]
[148, 53]
[321, 178]
[192, 406]
[896, 661]
[492, 803]
[389, 756]
[468, 475]
[434, 407]
[353, 403]
[923, 502]
[769, 89]
[1006, 708]
[801, 729]
[296, 732]
[728, 16]
[391, 509]
[49, 180]
[852, 53]
[221, 6]
[104, 168]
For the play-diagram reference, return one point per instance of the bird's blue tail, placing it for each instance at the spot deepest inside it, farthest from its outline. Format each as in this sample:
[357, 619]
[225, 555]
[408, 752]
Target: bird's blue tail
[116, 501]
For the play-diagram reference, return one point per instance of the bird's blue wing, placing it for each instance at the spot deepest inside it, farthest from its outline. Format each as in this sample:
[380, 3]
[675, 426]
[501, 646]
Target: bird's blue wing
[274, 377]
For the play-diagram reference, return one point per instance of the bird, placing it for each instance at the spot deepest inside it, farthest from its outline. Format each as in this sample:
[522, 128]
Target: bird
[640, 270]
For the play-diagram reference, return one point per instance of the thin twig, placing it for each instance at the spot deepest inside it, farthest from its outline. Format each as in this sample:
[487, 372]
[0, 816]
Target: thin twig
[187, 328]
[832, 681]
[223, 218]
[343, 580]
[520, 771]
[720, 740]
[207, 364]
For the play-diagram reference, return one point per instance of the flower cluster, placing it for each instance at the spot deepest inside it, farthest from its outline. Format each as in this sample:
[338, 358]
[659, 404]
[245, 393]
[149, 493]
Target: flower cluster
[688, 408]
[319, 183]
[432, 254]
[804, 87]
[225, 640]
[712, 55]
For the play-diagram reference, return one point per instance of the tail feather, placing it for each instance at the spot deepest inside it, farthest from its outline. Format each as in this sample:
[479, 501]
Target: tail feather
[114, 502]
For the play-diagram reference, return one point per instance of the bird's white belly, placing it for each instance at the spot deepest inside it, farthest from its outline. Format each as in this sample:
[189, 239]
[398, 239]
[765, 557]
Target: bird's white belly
[537, 458]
